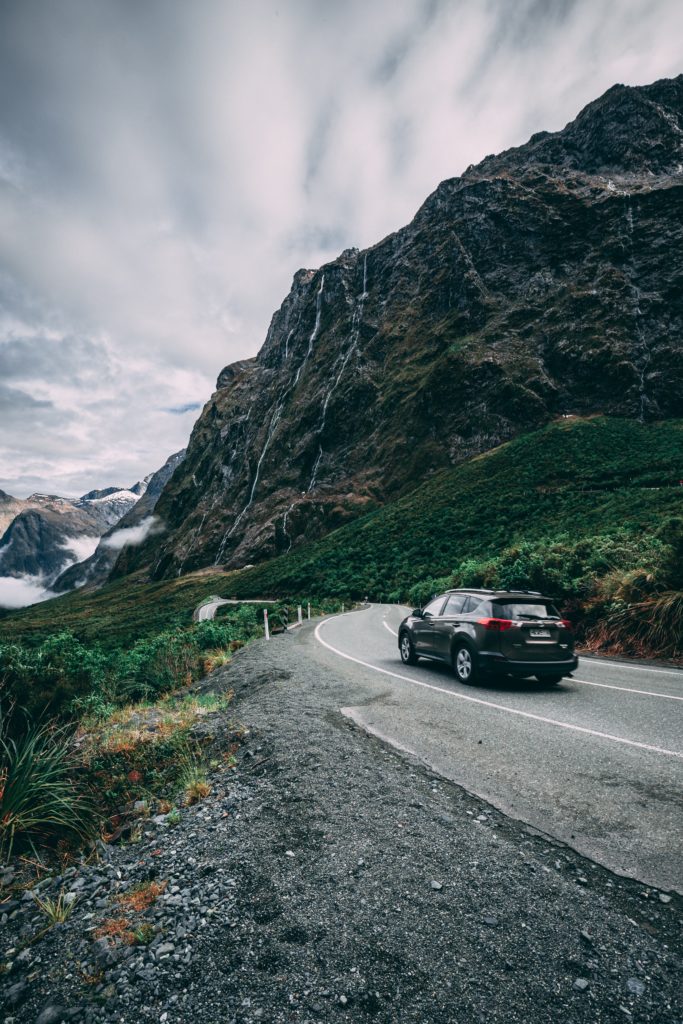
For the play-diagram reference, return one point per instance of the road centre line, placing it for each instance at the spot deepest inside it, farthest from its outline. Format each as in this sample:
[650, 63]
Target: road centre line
[603, 686]
[492, 704]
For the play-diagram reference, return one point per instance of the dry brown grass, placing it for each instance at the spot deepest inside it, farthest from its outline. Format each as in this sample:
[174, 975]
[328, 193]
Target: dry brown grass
[142, 896]
[117, 928]
[136, 724]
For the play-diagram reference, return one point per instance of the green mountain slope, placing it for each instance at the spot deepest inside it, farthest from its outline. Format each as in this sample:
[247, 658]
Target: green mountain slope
[575, 479]
[584, 507]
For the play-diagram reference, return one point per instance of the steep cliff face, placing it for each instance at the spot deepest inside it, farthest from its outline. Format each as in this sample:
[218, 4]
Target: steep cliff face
[546, 280]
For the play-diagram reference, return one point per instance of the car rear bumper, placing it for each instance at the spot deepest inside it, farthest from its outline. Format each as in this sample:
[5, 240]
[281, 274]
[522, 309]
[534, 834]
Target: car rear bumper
[491, 661]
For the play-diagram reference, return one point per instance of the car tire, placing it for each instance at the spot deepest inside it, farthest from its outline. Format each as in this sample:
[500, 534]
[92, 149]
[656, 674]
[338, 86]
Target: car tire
[550, 680]
[408, 655]
[465, 664]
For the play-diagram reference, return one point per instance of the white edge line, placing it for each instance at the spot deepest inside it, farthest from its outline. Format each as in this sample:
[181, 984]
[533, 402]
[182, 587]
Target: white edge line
[604, 686]
[627, 689]
[606, 663]
[492, 704]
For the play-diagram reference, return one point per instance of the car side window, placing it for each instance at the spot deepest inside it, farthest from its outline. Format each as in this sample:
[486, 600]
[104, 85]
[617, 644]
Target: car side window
[434, 607]
[455, 604]
[471, 604]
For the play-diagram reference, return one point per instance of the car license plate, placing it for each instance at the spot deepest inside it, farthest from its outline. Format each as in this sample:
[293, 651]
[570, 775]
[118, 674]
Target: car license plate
[539, 632]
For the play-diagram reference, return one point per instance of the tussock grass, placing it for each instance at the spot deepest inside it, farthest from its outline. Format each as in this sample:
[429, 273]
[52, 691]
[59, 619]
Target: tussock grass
[653, 625]
[56, 910]
[39, 799]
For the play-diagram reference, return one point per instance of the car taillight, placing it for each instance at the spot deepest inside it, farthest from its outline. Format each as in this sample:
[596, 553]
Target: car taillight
[498, 625]
[566, 623]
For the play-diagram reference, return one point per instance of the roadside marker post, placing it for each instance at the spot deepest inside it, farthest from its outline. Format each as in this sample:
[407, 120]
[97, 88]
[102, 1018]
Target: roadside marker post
[342, 607]
[299, 614]
[265, 623]
[309, 609]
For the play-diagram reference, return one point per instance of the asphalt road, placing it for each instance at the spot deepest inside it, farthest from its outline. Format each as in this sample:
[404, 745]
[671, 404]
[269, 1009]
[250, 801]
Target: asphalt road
[596, 762]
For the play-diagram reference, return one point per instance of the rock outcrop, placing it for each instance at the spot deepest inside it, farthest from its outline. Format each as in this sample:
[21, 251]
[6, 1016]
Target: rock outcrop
[547, 280]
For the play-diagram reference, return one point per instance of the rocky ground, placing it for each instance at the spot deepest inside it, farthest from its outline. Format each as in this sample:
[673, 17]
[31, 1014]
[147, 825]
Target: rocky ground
[328, 878]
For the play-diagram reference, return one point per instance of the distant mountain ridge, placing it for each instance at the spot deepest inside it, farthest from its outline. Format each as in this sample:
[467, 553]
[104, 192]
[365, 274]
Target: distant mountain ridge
[95, 570]
[46, 536]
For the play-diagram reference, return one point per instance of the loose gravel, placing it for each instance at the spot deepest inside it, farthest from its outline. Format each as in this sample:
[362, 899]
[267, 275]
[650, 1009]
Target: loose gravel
[330, 878]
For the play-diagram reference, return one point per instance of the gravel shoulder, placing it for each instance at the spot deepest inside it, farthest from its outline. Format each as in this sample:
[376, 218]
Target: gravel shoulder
[331, 878]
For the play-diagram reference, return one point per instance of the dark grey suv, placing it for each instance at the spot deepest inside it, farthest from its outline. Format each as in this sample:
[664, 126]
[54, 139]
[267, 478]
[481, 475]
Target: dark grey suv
[479, 632]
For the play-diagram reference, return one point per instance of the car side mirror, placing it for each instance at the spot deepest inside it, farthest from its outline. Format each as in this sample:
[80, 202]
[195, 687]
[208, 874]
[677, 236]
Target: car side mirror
[417, 613]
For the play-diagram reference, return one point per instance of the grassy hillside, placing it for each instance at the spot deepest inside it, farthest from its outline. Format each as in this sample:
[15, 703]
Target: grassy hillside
[120, 613]
[585, 508]
[588, 485]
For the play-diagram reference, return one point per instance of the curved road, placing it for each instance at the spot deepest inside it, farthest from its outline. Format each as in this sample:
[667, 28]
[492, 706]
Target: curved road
[596, 762]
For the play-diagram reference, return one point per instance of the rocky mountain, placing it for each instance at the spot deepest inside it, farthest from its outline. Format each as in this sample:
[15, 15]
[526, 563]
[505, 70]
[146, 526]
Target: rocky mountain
[10, 507]
[44, 538]
[94, 570]
[544, 281]
[43, 534]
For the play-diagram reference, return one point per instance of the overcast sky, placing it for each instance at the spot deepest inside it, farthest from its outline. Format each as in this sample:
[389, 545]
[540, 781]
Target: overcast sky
[166, 166]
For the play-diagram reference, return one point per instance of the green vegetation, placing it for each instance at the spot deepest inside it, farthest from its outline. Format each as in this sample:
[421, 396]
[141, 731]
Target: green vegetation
[63, 674]
[589, 510]
[57, 911]
[39, 799]
[120, 614]
[586, 494]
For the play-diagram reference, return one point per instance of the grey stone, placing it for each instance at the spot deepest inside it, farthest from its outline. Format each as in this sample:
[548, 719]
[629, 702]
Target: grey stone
[580, 984]
[51, 1015]
[15, 993]
[436, 885]
[635, 986]
[664, 897]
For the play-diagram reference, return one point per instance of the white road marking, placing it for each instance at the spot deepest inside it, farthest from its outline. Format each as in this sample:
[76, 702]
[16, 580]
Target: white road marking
[637, 668]
[492, 704]
[604, 686]
[627, 689]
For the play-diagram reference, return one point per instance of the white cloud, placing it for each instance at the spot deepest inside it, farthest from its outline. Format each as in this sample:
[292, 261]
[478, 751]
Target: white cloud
[80, 548]
[133, 535]
[17, 593]
[166, 167]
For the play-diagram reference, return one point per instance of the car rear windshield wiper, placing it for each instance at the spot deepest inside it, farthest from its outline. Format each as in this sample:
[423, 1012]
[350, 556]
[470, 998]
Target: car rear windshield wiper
[534, 617]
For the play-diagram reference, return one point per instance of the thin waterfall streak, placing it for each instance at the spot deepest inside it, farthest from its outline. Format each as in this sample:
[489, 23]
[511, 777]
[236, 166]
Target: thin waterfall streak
[276, 418]
[355, 336]
[644, 360]
[284, 526]
[195, 537]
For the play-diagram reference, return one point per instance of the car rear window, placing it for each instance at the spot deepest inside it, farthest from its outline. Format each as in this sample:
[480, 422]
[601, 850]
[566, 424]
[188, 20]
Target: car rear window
[525, 610]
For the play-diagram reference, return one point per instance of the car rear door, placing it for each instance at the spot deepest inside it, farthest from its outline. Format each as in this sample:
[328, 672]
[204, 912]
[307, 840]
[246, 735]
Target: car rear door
[446, 625]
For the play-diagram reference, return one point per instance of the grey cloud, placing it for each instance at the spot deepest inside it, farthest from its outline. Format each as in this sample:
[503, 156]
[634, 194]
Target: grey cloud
[165, 168]
[178, 410]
